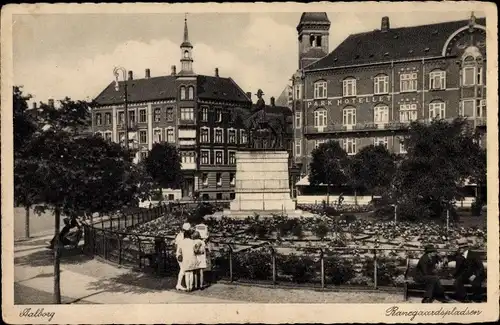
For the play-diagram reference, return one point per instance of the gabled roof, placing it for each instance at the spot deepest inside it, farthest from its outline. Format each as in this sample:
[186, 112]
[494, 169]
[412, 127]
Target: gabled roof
[162, 88]
[395, 43]
[282, 99]
[139, 90]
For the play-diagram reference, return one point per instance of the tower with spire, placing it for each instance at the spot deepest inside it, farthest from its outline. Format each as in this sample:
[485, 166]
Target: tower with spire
[186, 52]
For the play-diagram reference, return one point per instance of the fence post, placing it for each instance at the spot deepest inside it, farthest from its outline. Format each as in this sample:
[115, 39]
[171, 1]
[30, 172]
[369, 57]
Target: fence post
[105, 245]
[120, 239]
[375, 276]
[273, 258]
[322, 255]
[230, 263]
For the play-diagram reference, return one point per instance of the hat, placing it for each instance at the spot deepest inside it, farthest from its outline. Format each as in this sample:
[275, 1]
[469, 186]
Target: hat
[430, 249]
[462, 243]
[186, 226]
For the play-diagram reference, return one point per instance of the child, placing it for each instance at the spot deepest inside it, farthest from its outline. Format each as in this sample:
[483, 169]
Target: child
[188, 258]
[201, 258]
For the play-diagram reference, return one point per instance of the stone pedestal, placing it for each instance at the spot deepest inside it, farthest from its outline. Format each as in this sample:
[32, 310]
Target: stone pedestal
[262, 184]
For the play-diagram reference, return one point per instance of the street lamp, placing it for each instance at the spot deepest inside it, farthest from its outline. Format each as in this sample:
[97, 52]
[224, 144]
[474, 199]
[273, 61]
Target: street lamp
[117, 88]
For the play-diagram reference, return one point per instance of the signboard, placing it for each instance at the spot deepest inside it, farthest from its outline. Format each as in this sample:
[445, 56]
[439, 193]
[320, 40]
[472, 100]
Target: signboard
[349, 101]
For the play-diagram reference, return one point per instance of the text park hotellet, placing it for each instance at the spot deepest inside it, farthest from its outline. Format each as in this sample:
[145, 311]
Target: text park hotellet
[374, 83]
[195, 113]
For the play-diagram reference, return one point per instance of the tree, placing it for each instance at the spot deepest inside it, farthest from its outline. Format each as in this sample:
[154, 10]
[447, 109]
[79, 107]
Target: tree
[440, 157]
[328, 166]
[163, 164]
[24, 130]
[373, 168]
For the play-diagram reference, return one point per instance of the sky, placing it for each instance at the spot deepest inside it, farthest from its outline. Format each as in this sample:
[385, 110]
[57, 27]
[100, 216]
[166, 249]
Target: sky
[59, 55]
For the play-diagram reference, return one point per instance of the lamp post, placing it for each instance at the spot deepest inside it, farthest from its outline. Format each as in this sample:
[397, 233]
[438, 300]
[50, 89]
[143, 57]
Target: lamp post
[117, 88]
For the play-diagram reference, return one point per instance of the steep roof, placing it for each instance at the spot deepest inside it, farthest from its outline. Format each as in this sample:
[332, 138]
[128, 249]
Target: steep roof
[282, 99]
[161, 88]
[313, 18]
[395, 43]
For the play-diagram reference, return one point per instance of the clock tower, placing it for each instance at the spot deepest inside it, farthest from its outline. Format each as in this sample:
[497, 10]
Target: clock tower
[186, 53]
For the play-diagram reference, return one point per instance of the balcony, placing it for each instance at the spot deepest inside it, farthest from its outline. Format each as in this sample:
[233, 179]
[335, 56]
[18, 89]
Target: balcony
[187, 142]
[188, 166]
[358, 127]
[187, 122]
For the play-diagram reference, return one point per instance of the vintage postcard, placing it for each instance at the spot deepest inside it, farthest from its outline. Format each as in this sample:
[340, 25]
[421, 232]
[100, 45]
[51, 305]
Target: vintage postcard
[250, 163]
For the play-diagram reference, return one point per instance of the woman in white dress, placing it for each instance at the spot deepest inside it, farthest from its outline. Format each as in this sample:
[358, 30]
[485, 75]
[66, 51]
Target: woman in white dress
[178, 239]
[188, 258]
[200, 252]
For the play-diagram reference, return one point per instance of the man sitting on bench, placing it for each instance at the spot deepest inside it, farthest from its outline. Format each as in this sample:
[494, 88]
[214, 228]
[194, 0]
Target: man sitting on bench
[469, 269]
[425, 274]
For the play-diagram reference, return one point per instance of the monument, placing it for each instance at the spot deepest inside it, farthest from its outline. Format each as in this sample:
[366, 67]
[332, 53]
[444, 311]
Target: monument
[262, 176]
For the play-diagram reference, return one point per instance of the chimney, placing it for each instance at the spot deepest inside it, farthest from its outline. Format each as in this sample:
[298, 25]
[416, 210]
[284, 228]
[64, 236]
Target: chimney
[148, 73]
[272, 101]
[385, 24]
[51, 102]
[217, 72]
[174, 71]
[130, 75]
[249, 95]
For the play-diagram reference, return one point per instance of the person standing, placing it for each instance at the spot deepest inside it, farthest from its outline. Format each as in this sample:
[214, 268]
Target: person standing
[425, 273]
[178, 240]
[469, 269]
[186, 253]
[201, 258]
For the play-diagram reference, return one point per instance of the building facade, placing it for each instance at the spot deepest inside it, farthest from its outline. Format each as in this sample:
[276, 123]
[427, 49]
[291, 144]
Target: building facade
[369, 88]
[199, 114]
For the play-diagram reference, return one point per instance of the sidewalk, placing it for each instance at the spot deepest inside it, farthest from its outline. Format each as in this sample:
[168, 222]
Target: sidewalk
[85, 280]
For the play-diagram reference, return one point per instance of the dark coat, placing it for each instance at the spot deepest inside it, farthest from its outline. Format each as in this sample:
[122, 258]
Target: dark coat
[472, 265]
[426, 266]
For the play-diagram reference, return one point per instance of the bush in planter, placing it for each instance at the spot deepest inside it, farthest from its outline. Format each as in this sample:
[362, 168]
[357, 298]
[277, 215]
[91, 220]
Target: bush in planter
[387, 270]
[254, 265]
[337, 270]
[300, 268]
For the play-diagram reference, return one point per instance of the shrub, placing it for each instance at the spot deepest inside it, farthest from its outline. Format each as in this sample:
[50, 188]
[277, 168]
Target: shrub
[321, 230]
[255, 265]
[300, 268]
[338, 270]
[348, 218]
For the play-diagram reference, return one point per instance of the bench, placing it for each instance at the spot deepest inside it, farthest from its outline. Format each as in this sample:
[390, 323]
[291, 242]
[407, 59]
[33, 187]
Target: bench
[411, 286]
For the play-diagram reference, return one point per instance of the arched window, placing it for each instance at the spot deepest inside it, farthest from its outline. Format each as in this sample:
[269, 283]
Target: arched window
[472, 67]
[186, 54]
[183, 92]
[437, 79]
[349, 116]
[320, 89]
[191, 92]
[312, 40]
[320, 117]
[349, 87]
[381, 84]
[437, 110]
[381, 114]
[318, 40]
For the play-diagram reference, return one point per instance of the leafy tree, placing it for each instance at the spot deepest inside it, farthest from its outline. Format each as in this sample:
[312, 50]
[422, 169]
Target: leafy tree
[328, 166]
[373, 168]
[440, 157]
[163, 164]
[70, 116]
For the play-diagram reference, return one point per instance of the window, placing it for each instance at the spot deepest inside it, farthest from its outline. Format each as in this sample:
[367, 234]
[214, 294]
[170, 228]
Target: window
[467, 107]
[437, 110]
[121, 137]
[204, 114]
[183, 93]
[108, 136]
[232, 179]
[408, 82]
[402, 148]
[381, 85]
[232, 195]
[218, 179]
[297, 92]
[320, 118]
[218, 196]
[298, 147]
[349, 87]
[320, 89]
[191, 92]
[187, 157]
[131, 118]
[205, 135]
[121, 118]
[205, 157]
[170, 135]
[205, 197]
[437, 80]
[380, 141]
[143, 136]
[218, 112]
[317, 143]
[170, 114]
[381, 114]
[98, 119]
[231, 136]
[219, 157]
[204, 179]
[187, 114]
[349, 116]
[232, 157]
[107, 118]
[407, 112]
[98, 134]
[243, 137]
[142, 116]
[157, 135]
[219, 138]
[157, 114]
[481, 108]
[298, 119]
[479, 76]
[350, 146]
[468, 76]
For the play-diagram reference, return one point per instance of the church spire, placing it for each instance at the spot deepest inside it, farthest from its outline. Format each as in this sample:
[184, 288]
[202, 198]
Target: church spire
[186, 51]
